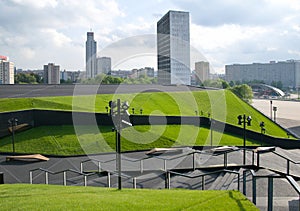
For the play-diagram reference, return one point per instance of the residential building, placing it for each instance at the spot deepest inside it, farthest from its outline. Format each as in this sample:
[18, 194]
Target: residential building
[6, 71]
[286, 72]
[173, 48]
[103, 65]
[146, 71]
[51, 74]
[201, 72]
[91, 54]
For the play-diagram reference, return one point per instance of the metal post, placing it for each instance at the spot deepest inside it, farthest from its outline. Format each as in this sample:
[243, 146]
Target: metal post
[134, 182]
[99, 166]
[81, 167]
[225, 160]
[252, 158]
[211, 132]
[254, 190]
[257, 159]
[238, 180]
[108, 179]
[13, 135]
[288, 167]
[165, 165]
[30, 177]
[169, 180]
[270, 193]
[271, 106]
[85, 181]
[203, 182]
[194, 161]
[119, 143]
[244, 182]
[46, 178]
[244, 122]
[65, 178]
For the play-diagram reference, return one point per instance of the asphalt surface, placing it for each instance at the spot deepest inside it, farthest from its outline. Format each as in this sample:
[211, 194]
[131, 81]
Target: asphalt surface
[24, 91]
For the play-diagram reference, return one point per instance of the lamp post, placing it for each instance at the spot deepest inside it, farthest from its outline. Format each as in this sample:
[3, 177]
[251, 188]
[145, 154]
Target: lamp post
[119, 113]
[242, 119]
[271, 106]
[211, 131]
[262, 131]
[274, 109]
[13, 122]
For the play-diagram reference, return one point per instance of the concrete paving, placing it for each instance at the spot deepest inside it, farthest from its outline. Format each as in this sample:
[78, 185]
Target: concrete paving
[287, 115]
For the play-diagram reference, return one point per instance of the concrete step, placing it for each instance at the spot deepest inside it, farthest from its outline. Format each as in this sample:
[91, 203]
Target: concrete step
[217, 181]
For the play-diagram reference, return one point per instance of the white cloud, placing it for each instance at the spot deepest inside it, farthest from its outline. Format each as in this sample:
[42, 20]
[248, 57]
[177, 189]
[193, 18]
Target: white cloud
[36, 32]
[209, 38]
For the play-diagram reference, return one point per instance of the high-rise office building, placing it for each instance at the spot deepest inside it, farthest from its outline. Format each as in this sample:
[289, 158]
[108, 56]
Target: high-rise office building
[51, 74]
[6, 71]
[173, 48]
[90, 56]
[201, 71]
[103, 65]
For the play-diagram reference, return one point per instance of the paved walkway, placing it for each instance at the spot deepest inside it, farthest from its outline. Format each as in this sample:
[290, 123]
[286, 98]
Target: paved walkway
[287, 115]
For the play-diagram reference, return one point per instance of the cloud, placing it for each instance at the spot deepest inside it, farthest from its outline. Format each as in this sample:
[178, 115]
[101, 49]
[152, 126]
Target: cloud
[51, 30]
[224, 31]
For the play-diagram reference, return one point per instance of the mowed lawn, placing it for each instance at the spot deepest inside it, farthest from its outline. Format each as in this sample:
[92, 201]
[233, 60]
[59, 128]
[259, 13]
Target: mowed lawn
[63, 140]
[52, 197]
[222, 105]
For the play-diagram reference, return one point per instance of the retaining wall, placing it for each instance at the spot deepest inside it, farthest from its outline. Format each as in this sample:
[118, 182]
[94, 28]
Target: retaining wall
[37, 118]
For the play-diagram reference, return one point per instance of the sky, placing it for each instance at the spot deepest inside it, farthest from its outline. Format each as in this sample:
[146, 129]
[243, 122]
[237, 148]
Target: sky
[34, 33]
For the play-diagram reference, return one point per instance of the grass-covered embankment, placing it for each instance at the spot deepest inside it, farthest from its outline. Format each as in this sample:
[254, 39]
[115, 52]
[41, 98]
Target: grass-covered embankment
[220, 104]
[62, 140]
[52, 197]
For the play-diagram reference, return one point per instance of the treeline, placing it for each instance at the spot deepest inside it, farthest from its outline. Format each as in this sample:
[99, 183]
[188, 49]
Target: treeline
[243, 91]
[108, 79]
[28, 78]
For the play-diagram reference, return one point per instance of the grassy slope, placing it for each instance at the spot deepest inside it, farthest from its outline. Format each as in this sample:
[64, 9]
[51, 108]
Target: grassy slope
[62, 140]
[51, 197]
[223, 105]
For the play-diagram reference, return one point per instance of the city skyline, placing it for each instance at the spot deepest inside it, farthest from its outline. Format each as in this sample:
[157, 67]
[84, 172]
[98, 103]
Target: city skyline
[224, 32]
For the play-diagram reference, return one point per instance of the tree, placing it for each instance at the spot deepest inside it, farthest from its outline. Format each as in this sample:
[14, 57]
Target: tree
[243, 91]
[25, 78]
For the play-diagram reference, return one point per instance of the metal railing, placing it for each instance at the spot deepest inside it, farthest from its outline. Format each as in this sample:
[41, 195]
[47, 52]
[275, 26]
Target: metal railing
[64, 173]
[270, 178]
[169, 173]
[288, 161]
[166, 160]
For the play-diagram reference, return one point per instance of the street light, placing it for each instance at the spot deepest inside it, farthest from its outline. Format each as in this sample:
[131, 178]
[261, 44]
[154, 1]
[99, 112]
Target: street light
[212, 122]
[262, 131]
[274, 109]
[119, 114]
[271, 106]
[13, 122]
[242, 119]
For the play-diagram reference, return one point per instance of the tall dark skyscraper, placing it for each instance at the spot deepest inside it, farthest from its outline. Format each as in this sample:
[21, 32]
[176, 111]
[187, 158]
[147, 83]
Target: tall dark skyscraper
[173, 48]
[91, 54]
